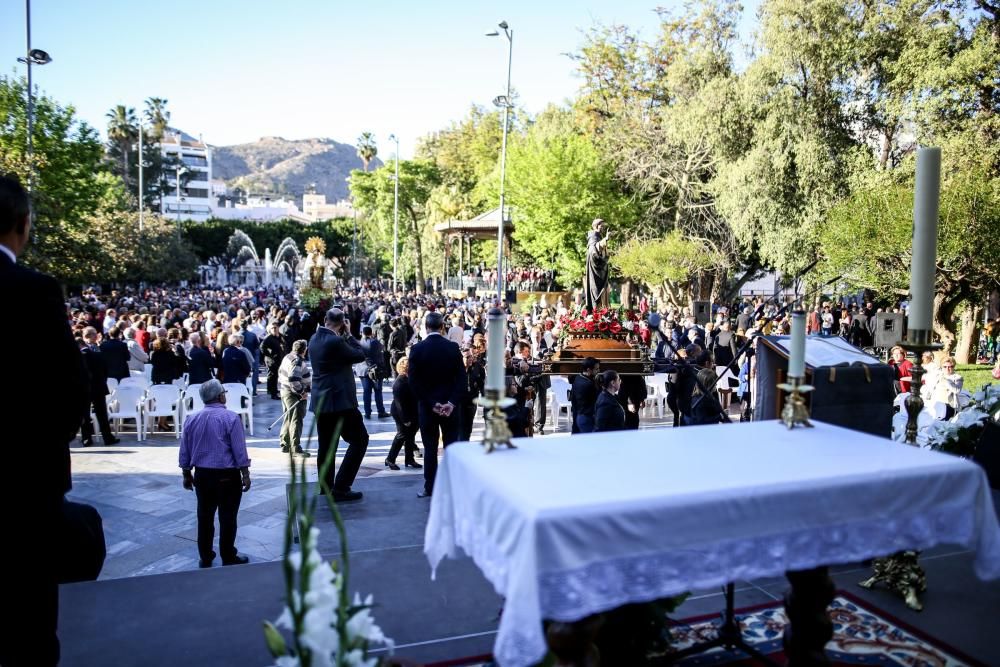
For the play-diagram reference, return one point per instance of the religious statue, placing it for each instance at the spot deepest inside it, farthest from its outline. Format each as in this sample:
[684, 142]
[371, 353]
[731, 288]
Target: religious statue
[595, 286]
[316, 261]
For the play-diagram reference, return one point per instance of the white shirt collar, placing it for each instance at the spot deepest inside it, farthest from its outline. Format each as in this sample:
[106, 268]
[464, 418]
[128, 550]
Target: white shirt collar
[10, 253]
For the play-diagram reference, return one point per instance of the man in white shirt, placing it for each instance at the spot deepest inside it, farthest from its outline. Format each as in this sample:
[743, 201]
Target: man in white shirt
[456, 333]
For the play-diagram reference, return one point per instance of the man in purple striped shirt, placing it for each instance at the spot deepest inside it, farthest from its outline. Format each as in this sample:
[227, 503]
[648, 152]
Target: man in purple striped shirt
[215, 446]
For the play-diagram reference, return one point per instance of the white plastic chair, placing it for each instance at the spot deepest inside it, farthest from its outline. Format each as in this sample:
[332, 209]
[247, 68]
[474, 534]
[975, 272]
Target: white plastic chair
[657, 395]
[147, 371]
[163, 400]
[135, 381]
[238, 400]
[128, 404]
[559, 399]
[112, 385]
[191, 402]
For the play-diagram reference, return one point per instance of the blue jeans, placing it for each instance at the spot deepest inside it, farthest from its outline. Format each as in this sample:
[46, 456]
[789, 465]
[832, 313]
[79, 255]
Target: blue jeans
[367, 386]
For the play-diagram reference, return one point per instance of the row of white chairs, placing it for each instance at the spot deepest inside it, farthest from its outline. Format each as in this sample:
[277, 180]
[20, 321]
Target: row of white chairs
[131, 399]
[558, 397]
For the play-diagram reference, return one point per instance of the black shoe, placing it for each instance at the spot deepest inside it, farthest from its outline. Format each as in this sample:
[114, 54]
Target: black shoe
[237, 560]
[298, 451]
[368, 415]
[284, 449]
[384, 415]
[392, 466]
[206, 563]
[541, 430]
[112, 440]
[424, 494]
[413, 464]
[275, 397]
[347, 496]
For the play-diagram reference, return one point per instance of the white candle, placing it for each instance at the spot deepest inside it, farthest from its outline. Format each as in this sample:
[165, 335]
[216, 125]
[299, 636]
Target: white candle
[496, 342]
[797, 346]
[925, 222]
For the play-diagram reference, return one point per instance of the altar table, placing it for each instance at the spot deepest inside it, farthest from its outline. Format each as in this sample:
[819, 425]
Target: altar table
[568, 527]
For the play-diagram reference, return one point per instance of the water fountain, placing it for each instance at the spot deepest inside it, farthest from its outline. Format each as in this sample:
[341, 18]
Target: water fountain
[245, 267]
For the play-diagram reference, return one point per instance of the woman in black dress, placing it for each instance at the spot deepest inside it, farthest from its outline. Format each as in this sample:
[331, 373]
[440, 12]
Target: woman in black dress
[404, 413]
[608, 413]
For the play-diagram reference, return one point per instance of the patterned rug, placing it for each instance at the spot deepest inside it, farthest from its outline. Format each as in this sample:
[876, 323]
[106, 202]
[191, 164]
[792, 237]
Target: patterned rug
[862, 635]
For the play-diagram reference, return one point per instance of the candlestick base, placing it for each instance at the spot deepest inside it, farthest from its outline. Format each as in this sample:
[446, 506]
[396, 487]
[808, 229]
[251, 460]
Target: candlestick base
[497, 432]
[795, 412]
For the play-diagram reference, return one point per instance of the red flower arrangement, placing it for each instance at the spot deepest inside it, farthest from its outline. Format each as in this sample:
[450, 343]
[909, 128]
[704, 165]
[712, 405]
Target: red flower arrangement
[603, 321]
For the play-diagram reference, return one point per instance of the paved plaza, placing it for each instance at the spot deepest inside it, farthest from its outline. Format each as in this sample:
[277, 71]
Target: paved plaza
[149, 519]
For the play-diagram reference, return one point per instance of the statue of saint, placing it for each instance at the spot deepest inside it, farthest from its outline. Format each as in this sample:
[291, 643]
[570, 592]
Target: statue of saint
[316, 263]
[595, 286]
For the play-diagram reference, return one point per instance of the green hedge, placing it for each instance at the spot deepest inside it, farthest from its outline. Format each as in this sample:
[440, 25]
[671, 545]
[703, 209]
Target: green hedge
[209, 238]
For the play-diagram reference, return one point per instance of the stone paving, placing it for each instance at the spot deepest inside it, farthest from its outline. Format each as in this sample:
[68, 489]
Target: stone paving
[149, 518]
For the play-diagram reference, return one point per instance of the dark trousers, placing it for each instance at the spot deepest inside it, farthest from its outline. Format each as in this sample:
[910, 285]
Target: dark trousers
[584, 423]
[435, 428]
[468, 416]
[367, 386]
[272, 379]
[101, 412]
[354, 434]
[218, 489]
[405, 437]
[540, 399]
[30, 598]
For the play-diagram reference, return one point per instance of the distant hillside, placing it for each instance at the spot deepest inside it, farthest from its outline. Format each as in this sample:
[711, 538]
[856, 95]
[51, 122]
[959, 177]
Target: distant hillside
[274, 164]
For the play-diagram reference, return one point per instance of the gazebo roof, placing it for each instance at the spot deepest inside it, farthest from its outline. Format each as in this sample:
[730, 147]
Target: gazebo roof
[481, 227]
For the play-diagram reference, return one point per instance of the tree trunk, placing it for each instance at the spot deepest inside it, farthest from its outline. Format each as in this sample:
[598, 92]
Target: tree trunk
[968, 339]
[419, 250]
[733, 290]
[944, 316]
[628, 292]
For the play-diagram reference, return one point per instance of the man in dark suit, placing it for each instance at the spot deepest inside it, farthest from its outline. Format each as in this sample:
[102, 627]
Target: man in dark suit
[36, 473]
[437, 376]
[236, 364]
[632, 391]
[333, 352]
[200, 361]
[252, 345]
[97, 372]
[116, 354]
[273, 353]
[583, 396]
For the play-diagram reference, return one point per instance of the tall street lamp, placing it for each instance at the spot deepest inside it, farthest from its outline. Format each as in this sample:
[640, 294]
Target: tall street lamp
[32, 57]
[505, 102]
[395, 216]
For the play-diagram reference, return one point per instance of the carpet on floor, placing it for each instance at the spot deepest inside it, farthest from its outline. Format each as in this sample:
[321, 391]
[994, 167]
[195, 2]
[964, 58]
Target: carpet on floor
[862, 635]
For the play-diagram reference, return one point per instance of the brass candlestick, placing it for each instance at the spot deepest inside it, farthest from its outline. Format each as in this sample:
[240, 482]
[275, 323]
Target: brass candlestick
[795, 413]
[901, 572]
[497, 432]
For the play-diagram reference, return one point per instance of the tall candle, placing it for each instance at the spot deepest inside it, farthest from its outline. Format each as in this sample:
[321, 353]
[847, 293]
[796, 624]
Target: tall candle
[797, 346]
[925, 222]
[496, 343]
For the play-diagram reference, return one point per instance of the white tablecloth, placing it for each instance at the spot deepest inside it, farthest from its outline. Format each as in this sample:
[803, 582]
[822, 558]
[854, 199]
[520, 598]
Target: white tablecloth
[568, 527]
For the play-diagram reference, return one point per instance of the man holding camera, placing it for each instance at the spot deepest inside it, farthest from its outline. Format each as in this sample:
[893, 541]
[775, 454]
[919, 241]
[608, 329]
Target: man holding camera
[334, 352]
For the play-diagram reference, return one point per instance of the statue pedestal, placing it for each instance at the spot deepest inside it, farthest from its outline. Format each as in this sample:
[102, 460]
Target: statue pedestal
[612, 350]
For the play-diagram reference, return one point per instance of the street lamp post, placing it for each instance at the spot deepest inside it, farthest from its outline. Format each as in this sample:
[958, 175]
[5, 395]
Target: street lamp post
[395, 216]
[505, 102]
[32, 57]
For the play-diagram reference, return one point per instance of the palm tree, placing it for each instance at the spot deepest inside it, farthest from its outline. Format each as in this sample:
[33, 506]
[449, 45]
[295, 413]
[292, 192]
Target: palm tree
[367, 150]
[122, 132]
[158, 117]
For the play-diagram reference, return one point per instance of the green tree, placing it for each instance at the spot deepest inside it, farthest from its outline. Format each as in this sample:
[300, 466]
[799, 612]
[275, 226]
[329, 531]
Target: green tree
[669, 262]
[367, 149]
[372, 193]
[70, 182]
[868, 240]
[123, 133]
[557, 183]
[157, 117]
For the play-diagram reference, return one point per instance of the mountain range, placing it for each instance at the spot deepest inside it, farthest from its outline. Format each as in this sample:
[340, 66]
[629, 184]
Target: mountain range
[286, 166]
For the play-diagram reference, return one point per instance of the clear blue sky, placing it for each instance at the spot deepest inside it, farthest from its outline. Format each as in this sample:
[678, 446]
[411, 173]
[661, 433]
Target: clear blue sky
[237, 70]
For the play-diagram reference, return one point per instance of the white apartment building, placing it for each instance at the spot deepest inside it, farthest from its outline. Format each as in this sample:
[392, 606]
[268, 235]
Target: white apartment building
[193, 200]
[315, 208]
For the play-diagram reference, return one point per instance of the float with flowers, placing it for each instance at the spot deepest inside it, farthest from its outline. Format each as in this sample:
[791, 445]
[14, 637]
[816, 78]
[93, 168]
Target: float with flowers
[617, 337]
